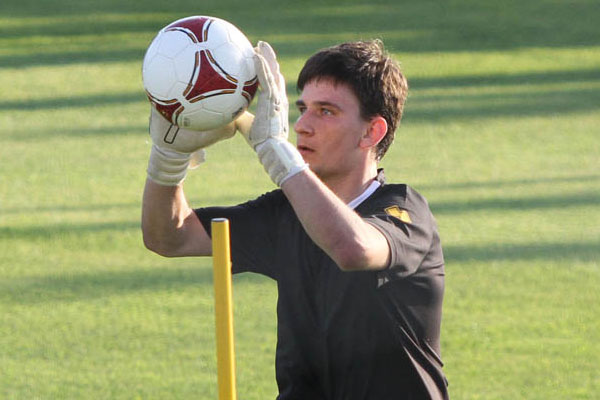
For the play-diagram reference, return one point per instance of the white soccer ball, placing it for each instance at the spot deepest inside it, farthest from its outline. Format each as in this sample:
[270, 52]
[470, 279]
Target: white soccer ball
[199, 72]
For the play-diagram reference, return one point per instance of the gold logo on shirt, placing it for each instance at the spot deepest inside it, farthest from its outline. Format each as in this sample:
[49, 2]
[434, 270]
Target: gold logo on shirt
[399, 213]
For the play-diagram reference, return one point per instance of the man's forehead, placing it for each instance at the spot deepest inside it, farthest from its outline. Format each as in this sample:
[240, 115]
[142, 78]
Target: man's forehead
[327, 91]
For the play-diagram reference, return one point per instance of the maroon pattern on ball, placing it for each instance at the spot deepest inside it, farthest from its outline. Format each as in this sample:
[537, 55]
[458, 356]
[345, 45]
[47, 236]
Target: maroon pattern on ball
[170, 112]
[194, 24]
[209, 80]
[249, 89]
[166, 107]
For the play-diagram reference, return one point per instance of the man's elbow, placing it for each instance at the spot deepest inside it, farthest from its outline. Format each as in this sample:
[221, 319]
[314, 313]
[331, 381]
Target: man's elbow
[356, 258]
[158, 246]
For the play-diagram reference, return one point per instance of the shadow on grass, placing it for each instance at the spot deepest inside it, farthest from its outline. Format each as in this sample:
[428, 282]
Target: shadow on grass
[586, 251]
[95, 100]
[59, 231]
[511, 182]
[6, 232]
[73, 57]
[527, 203]
[28, 209]
[88, 286]
[572, 76]
[522, 104]
[29, 135]
[86, 23]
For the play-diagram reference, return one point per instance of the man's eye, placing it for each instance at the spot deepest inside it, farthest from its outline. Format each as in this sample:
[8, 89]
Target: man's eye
[301, 110]
[326, 111]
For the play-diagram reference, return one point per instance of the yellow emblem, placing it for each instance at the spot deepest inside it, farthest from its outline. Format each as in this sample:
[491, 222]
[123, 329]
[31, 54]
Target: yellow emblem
[399, 213]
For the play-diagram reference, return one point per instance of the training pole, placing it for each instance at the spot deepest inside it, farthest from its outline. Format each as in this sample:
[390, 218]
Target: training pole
[223, 308]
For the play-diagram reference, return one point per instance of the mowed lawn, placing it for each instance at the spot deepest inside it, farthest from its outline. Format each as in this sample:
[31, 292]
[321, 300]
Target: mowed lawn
[501, 134]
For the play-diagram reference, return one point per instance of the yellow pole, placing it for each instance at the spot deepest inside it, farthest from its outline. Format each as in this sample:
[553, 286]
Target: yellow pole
[223, 309]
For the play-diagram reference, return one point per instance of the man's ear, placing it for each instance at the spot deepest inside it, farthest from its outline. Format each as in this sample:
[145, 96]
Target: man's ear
[375, 132]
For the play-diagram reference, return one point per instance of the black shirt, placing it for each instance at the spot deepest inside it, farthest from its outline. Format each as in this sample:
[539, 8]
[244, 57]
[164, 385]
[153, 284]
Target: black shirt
[348, 335]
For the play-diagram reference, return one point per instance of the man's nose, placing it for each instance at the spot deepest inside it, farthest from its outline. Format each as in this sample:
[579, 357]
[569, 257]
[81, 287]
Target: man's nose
[303, 126]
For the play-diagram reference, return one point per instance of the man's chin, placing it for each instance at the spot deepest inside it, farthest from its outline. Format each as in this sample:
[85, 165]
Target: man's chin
[319, 172]
[313, 168]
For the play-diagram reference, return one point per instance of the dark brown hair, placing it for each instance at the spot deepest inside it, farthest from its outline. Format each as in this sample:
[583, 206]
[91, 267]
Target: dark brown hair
[371, 73]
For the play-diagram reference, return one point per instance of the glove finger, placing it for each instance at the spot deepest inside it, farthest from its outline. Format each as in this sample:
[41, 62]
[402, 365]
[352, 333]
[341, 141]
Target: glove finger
[265, 77]
[268, 54]
[270, 57]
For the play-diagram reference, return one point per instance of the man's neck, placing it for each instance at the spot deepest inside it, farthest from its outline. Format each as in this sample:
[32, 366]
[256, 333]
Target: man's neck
[348, 187]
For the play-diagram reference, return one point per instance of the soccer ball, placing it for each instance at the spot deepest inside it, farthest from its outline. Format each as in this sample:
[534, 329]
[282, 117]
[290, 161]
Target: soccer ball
[199, 72]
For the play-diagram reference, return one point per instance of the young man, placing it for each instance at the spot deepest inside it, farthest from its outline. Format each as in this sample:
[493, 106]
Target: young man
[358, 263]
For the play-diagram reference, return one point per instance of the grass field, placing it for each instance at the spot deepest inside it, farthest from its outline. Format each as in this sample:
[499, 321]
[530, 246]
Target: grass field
[501, 134]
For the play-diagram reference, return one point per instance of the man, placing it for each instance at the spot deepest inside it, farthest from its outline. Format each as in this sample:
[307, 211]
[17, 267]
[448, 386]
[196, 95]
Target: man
[358, 263]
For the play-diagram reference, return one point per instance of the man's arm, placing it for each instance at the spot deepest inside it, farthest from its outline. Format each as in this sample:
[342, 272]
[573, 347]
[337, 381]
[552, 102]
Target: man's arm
[169, 225]
[351, 242]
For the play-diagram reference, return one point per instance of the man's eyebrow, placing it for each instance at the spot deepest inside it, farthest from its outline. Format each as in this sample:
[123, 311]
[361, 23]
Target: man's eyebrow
[301, 103]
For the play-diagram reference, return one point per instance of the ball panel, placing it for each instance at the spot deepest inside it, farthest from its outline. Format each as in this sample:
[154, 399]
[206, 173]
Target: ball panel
[152, 48]
[247, 71]
[202, 119]
[217, 33]
[240, 40]
[226, 103]
[177, 90]
[229, 59]
[158, 76]
[187, 65]
[173, 42]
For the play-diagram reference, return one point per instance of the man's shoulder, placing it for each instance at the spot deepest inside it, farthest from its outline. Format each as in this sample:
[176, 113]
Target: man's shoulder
[268, 204]
[273, 198]
[399, 194]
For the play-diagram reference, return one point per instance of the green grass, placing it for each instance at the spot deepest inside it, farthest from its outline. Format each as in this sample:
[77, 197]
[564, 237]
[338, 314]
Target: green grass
[500, 134]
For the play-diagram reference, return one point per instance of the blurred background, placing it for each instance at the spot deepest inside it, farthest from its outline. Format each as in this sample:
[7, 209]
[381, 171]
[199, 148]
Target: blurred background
[501, 134]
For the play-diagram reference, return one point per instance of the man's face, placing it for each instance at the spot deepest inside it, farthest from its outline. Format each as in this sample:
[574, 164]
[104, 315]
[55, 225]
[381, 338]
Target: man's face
[330, 128]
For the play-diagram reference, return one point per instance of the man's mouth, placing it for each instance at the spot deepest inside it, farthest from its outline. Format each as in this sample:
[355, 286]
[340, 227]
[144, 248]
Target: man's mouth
[304, 149]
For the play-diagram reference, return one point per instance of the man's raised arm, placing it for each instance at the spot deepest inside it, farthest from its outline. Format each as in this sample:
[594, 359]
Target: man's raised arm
[169, 225]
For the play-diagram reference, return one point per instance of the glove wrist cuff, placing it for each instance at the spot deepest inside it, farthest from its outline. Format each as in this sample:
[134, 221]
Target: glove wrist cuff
[280, 159]
[167, 167]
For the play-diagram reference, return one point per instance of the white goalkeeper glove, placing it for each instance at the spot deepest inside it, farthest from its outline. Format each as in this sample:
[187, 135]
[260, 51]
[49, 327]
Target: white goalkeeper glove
[268, 135]
[176, 149]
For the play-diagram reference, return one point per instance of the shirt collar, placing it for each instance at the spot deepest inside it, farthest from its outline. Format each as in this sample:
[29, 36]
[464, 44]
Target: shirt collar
[364, 195]
[380, 176]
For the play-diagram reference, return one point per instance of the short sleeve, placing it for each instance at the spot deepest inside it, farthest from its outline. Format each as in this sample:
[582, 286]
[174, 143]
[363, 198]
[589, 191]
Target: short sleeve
[409, 243]
[409, 228]
[250, 233]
